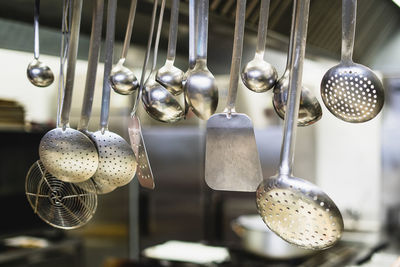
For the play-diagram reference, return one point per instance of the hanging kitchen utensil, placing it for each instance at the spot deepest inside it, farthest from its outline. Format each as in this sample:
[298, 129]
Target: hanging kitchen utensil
[310, 110]
[122, 79]
[258, 75]
[350, 91]
[200, 86]
[39, 74]
[232, 161]
[117, 163]
[66, 153]
[94, 52]
[61, 204]
[143, 172]
[295, 209]
[158, 102]
[169, 75]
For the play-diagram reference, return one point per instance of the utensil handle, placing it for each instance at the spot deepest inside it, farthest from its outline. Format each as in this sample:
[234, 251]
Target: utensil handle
[109, 46]
[236, 55]
[262, 28]
[192, 33]
[295, 79]
[202, 28]
[146, 58]
[93, 58]
[291, 39]
[349, 10]
[71, 61]
[173, 30]
[36, 14]
[159, 27]
[129, 27]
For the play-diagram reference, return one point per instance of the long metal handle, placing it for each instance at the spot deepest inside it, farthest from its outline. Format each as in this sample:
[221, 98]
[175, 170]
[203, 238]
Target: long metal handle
[349, 10]
[93, 58]
[192, 33]
[202, 29]
[173, 30]
[146, 58]
[109, 46]
[159, 27]
[36, 14]
[236, 55]
[129, 27]
[295, 79]
[262, 28]
[71, 62]
[291, 37]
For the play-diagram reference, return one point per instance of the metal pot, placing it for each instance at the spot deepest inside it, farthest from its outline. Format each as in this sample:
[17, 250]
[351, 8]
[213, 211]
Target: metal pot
[258, 239]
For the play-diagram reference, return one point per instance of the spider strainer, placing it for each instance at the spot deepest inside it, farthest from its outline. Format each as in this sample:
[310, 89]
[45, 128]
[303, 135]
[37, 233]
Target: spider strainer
[117, 163]
[60, 204]
[350, 91]
[296, 210]
[66, 153]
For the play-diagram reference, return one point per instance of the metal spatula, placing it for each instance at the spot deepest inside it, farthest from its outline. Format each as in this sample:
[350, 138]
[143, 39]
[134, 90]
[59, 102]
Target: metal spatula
[232, 161]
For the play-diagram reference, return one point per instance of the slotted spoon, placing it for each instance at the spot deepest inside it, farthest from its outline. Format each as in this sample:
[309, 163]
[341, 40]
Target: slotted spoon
[296, 210]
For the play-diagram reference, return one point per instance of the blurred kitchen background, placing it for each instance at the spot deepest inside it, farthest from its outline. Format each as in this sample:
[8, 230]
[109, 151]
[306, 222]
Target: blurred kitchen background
[358, 165]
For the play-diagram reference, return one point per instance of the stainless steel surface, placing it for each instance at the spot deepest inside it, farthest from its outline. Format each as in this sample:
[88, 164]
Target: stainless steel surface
[350, 91]
[258, 75]
[158, 102]
[200, 85]
[60, 204]
[259, 240]
[39, 74]
[310, 110]
[293, 208]
[122, 79]
[168, 75]
[117, 163]
[66, 153]
[232, 161]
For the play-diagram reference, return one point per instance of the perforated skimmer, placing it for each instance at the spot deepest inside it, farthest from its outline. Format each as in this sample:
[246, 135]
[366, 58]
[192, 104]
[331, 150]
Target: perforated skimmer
[296, 210]
[66, 153]
[350, 91]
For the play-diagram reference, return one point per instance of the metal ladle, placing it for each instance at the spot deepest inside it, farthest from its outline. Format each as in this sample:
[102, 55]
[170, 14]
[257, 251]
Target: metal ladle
[158, 102]
[66, 153]
[169, 75]
[310, 110]
[200, 86]
[350, 91]
[122, 79]
[258, 75]
[296, 210]
[39, 74]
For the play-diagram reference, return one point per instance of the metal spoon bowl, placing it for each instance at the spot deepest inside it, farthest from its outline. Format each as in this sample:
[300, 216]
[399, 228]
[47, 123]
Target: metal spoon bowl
[299, 212]
[258, 75]
[39, 74]
[171, 78]
[122, 79]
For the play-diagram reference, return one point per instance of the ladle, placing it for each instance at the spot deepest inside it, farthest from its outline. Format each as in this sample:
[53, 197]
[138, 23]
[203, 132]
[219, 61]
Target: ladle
[200, 86]
[295, 209]
[158, 102]
[350, 91]
[258, 75]
[66, 153]
[169, 75]
[310, 110]
[122, 79]
[39, 74]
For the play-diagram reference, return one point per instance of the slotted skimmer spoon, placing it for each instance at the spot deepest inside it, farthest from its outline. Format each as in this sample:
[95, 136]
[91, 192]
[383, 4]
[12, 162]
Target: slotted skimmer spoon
[310, 110]
[350, 91]
[258, 75]
[144, 173]
[66, 153]
[117, 163]
[122, 79]
[296, 210]
[232, 161]
[61, 204]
